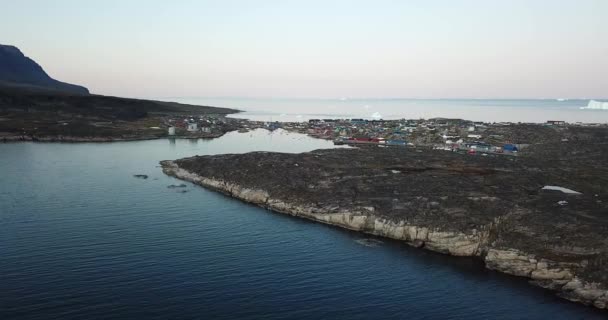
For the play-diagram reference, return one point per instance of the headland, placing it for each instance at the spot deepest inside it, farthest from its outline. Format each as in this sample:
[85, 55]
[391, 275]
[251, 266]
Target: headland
[539, 213]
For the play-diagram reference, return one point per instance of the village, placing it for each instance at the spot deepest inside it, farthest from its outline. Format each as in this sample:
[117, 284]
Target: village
[457, 135]
[444, 134]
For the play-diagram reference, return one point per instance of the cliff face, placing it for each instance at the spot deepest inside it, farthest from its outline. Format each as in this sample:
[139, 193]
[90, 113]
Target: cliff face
[492, 208]
[17, 70]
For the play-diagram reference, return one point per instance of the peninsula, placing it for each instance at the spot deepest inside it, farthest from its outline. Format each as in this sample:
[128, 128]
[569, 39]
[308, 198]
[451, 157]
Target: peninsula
[36, 107]
[541, 215]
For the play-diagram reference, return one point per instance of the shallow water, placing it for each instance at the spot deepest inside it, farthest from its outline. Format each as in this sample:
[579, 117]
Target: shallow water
[81, 238]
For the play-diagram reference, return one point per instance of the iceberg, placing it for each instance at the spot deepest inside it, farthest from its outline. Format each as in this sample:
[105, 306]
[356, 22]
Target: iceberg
[377, 115]
[596, 105]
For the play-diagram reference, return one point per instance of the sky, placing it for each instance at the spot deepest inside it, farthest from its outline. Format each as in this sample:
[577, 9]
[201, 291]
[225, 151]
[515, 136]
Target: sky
[318, 48]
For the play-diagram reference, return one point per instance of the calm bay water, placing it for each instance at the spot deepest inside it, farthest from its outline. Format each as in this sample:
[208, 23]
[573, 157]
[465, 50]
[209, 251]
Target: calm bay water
[81, 238]
[539, 110]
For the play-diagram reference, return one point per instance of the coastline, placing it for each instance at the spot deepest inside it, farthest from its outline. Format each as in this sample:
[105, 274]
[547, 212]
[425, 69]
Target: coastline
[49, 116]
[71, 139]
[74, 139]
[558, 276]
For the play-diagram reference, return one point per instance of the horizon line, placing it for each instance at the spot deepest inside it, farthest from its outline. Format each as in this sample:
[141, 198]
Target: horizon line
[561, 99]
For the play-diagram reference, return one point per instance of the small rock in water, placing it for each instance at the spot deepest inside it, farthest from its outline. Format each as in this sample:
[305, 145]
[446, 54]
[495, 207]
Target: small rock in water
[183, 191]
[418, 243]
[173, 186]
[141, 176]
[369, 242]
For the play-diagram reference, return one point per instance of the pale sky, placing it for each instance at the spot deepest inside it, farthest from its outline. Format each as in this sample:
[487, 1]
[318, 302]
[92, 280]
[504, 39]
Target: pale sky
[318, 48]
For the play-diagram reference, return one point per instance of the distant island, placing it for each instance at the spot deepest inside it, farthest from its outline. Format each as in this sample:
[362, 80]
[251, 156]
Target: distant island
[36, 107]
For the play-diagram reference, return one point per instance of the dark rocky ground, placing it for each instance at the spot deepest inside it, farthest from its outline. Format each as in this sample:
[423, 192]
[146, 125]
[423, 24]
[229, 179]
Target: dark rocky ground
[36, 107]
[451, 192]
[32, 114]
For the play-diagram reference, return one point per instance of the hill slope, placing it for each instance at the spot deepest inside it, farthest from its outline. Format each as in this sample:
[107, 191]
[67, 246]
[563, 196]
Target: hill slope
[17, 70]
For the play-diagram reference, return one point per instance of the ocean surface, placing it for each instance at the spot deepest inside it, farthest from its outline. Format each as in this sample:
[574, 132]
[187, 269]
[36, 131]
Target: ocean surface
[81, 238]
[538, 111]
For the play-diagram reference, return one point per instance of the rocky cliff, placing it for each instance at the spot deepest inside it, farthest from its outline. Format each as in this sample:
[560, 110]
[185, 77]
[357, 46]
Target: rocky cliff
[17, 70]
[492, 208]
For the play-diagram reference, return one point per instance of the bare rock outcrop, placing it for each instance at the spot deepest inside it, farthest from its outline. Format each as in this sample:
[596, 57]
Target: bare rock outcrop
[493, 208]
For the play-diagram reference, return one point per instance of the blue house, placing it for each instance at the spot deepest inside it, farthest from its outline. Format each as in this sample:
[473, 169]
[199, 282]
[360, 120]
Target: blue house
[396, 142]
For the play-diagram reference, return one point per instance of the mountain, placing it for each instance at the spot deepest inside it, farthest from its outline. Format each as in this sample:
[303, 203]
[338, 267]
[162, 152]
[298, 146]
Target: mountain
[17, 70]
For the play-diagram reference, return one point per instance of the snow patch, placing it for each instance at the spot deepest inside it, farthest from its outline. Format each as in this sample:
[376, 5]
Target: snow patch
[562, 189]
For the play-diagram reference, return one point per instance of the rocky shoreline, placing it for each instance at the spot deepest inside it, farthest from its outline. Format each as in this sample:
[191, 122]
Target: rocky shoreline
[75, 139]
[24, 138]
[440, 201]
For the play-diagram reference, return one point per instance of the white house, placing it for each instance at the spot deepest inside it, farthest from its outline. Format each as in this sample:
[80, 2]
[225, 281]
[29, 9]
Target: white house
[192, 126]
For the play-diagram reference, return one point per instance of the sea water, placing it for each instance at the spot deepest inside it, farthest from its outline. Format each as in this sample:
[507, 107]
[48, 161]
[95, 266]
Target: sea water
[82, 238]
[510, 110]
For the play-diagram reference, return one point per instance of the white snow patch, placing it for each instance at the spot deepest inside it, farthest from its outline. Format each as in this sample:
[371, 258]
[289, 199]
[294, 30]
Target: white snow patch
[395, 171]
[562, 189]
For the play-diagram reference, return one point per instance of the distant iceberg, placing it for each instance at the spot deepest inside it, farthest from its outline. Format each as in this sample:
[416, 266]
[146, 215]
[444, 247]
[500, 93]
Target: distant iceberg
[377, 115]
[596, 105]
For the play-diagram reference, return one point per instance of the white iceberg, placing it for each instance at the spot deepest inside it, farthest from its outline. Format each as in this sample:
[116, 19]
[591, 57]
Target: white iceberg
[596, 105]
[376, 115]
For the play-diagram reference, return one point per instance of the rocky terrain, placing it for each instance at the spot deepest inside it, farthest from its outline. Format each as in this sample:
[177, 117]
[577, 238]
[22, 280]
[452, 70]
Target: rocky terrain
[27, 115]
[543, 216]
